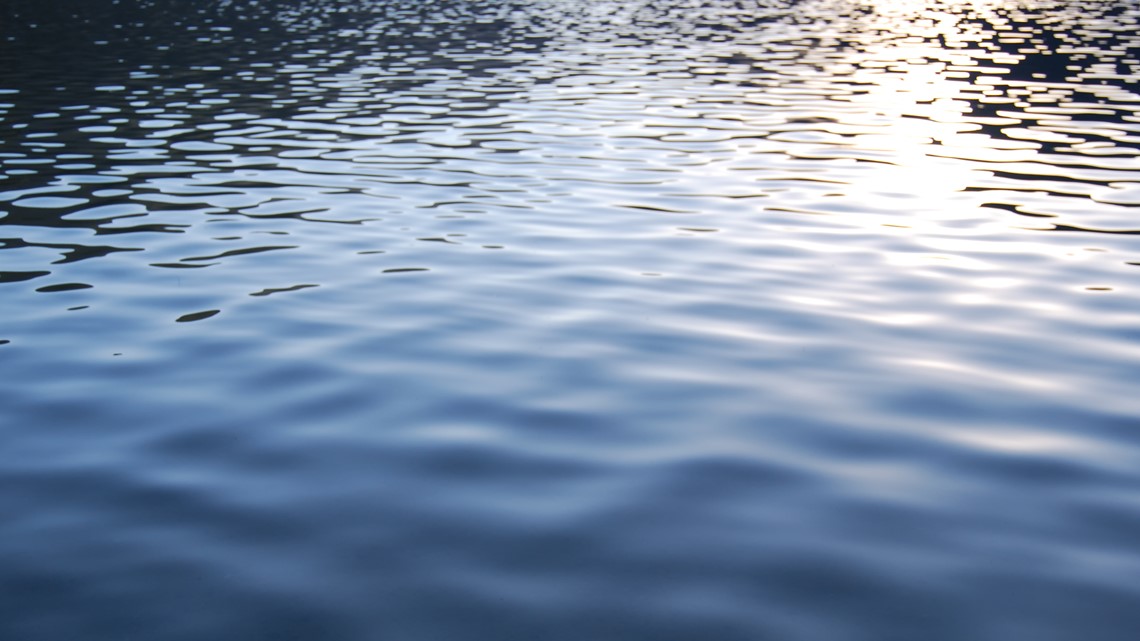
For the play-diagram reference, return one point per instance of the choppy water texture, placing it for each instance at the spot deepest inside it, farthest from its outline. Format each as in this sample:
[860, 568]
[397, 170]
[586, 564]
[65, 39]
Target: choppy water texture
[569, 319]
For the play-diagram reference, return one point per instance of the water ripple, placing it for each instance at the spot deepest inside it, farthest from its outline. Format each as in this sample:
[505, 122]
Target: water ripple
[569, 319]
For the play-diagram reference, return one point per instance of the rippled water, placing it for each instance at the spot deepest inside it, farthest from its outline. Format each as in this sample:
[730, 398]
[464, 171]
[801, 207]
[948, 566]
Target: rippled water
[569, 319]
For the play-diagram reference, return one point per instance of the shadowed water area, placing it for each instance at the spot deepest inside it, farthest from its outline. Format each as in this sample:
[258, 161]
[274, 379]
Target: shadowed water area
[569, 320]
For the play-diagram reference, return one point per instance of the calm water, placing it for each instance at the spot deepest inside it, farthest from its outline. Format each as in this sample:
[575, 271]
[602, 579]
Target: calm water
[569, 320]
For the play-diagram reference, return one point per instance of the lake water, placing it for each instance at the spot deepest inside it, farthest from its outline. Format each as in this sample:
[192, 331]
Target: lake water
[569, 320]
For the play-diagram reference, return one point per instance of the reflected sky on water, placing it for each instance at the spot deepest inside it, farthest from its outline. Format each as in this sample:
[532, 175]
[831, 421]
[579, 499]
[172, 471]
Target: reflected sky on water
[569, 319]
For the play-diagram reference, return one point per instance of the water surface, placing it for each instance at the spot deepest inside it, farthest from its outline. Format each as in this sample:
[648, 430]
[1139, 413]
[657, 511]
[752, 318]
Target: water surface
[569, 319]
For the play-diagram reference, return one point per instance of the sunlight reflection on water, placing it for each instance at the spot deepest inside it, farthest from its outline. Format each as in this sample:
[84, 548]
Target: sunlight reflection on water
[569, 319]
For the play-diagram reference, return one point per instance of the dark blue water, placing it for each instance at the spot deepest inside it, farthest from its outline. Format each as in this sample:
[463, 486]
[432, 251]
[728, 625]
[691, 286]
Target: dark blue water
[569, 320]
